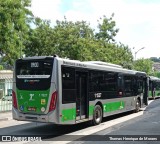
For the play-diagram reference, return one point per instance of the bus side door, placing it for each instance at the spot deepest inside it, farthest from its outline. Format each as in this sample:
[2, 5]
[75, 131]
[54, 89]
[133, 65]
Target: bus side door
[81, 95]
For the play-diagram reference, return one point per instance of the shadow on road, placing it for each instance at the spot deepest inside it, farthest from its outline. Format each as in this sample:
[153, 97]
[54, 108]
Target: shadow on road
[47, 131]
[152, 106]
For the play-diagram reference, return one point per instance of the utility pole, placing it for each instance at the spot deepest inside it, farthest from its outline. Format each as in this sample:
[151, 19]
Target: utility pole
[138, 51]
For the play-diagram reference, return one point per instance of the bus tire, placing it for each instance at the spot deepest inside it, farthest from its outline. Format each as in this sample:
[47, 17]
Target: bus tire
[97, 115]
[138, 105]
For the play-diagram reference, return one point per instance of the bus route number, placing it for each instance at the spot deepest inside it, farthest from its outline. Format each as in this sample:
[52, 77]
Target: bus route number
[34, 64]
[98, 95]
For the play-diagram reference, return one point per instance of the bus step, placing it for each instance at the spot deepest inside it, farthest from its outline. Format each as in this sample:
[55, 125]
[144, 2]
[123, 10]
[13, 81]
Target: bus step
[82, 120]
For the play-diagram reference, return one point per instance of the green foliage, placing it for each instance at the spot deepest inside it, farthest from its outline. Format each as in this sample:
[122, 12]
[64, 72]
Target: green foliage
[107, 30]
[144, 65]
[76, 40]
[156, 74]
[14, 18]
[155, 59]
[122, 55]
[1, 67]
[73, 40]
[40, 39]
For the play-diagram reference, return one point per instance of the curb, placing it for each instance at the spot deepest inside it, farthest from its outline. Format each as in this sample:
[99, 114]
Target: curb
[3, 119]
[5, 115]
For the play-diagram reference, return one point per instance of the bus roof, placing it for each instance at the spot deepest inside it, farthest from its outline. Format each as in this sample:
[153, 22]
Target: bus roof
[152, 78]
[36, 57]
[100, 66]
[103, 63]
[91, 65]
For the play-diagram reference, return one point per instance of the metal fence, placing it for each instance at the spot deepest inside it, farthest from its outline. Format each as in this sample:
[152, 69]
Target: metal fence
[5, 106]
[5, 95]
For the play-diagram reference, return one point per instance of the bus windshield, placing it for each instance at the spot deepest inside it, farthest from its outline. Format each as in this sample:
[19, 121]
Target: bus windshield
[34, 74]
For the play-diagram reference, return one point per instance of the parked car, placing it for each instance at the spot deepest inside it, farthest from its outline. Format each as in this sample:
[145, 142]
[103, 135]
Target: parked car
[7, 98]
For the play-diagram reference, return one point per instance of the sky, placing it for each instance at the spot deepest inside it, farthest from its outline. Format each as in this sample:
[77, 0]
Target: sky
[138, 21]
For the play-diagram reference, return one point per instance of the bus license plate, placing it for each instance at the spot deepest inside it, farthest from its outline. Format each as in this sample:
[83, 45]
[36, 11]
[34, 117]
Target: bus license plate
[31, 108]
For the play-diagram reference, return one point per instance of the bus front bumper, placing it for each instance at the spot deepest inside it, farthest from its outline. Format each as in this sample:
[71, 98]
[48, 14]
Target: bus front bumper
[32, 117]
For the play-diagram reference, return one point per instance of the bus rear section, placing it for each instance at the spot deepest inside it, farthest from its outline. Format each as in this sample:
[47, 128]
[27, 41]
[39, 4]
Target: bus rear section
[34, 91]
[154, 87]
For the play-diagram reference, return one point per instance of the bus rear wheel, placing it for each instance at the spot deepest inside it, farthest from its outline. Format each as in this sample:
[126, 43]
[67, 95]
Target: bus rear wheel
[97, 115]
[138, 105]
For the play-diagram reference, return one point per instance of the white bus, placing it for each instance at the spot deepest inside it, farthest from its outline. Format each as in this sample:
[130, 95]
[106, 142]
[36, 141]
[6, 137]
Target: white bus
[62, 91]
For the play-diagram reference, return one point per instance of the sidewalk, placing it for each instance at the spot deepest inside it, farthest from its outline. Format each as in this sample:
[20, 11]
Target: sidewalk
[4, 116]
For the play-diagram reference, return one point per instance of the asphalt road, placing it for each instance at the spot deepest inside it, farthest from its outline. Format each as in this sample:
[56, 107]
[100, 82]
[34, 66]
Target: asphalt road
[143, 129]
[144, 123]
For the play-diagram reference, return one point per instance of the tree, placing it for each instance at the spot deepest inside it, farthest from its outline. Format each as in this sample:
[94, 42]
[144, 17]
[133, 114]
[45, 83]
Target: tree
[1, 67]
[124, 56]
[112, 52]
[156, 74]
[107, 30]
[76, 40]
[155, 59]
[144, 65]
[67, 39]
[14, 25]
[41, 39]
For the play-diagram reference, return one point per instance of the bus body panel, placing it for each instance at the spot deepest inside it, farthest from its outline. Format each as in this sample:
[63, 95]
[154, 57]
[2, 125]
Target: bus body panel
[68, 111]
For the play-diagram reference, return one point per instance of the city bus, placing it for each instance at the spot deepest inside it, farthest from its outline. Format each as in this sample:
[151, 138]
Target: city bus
[154, 87]
[51, 89]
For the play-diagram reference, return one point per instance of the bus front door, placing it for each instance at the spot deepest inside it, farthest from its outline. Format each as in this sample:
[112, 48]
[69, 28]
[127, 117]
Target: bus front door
[81, 97]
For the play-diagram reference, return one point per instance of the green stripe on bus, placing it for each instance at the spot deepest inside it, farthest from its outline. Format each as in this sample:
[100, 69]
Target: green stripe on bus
[91, 108]
[113, 106]
[68, 114]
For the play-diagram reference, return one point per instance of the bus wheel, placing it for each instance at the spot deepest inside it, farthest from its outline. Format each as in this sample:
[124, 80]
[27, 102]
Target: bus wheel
[138, 104]
[97, 115]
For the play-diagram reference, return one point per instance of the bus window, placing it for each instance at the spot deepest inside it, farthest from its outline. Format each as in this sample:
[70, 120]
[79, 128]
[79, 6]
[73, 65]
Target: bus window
[100, 81]
[68, 78]
[34, 75]
[111, 81]
[128, 86]
[94, 81]
[68, 85]
[140, 86]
